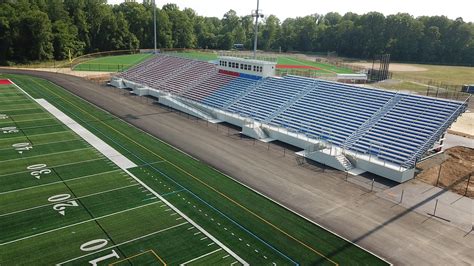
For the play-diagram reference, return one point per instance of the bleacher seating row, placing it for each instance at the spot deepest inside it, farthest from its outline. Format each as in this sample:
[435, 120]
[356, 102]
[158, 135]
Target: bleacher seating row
[392, 126]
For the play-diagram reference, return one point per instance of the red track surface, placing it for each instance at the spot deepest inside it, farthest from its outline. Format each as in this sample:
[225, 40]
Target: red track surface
[5, 82]
[298, 67]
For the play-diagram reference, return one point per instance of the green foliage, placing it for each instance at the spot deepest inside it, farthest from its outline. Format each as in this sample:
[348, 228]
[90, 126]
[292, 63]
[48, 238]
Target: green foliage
[39, 30]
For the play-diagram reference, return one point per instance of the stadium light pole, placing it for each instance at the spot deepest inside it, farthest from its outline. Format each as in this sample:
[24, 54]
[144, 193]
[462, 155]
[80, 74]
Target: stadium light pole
[154, 24]
[256, 14]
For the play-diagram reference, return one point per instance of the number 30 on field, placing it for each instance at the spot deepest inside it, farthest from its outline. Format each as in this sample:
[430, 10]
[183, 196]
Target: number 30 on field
[37, 170]
[95, 245]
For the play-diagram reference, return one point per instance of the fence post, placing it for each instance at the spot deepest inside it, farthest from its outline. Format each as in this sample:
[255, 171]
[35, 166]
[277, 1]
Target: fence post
[439, 174]
[467, 185]
[372, 187]
[401, 197]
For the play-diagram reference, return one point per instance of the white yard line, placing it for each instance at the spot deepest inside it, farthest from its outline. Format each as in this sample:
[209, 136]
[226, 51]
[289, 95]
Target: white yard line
[59, 165]
[33, 120]
[104, 148]
[42, 112]
[228, 250]
[46, 154]
[85, 196]
[18, 109]
[57, 182]
[71, 225]
[44, 134]
[46, 143]
[200, 257]
[123, 243]
[15, 101]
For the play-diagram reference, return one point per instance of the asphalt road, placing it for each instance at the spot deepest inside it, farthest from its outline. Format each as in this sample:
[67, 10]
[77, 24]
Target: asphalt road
[391, 231]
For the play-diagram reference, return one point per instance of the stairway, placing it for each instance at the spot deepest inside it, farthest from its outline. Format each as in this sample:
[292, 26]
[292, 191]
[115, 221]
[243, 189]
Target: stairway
[345, 162]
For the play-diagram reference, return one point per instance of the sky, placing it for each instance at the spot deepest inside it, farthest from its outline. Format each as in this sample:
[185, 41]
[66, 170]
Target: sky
[297, 8]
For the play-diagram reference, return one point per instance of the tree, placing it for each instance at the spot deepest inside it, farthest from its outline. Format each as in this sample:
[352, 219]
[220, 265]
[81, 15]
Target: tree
[270, 33]
[164, 33]
[181, 27]
[403, 33]
[43, 29]
[65, 40]
[34, 40]
[138, 18]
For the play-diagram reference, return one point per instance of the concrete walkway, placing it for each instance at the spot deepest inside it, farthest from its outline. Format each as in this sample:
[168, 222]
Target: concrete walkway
[434, 203]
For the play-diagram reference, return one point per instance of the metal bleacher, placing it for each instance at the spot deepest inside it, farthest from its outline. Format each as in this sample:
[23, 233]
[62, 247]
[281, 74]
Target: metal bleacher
[395, 127]
[229, 92]
[268, 97]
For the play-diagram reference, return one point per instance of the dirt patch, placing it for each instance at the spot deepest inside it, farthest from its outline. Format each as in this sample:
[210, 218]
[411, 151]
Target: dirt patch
[394, 67]
[464, 125]
[457, 165]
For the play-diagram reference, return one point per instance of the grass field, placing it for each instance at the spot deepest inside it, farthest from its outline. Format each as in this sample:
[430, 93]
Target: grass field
[64, 202]
[115, 63]
[399, 85]
[451, 75]
[327, 68]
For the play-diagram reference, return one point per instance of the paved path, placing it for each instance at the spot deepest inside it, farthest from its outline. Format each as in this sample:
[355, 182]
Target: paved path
[433, 202]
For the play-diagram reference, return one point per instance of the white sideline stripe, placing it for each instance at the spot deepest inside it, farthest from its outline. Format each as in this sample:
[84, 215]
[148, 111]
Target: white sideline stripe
[85, 196]
[57, 182]
[46, 154]
[123, 243]
[200, 257]
[228, 250]
[71, 225]
[59, 165]
[104, 148]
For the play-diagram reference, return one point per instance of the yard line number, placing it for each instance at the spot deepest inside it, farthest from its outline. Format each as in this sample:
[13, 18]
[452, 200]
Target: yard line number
[3, 116]
[95, 245]
[61, 207]
[37, 170]
[21, 147]
[9, 130]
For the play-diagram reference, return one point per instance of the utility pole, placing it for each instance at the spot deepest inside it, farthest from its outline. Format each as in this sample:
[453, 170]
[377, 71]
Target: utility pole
[256, 14]
[154, 24]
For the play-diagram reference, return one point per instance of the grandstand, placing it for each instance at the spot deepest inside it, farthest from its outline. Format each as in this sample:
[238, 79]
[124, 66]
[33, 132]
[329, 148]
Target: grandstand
[347, 127]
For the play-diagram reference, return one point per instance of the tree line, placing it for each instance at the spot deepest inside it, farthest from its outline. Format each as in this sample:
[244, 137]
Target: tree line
[35, 30]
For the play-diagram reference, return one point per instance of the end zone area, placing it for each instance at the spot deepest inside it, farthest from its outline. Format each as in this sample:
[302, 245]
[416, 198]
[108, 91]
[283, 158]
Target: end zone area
[64, 202]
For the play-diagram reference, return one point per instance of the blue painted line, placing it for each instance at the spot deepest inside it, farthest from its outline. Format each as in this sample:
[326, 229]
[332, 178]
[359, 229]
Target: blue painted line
[171, 193]
[183, 188]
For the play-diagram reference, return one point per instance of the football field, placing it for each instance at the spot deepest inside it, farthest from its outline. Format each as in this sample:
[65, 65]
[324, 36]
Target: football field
[80, 186]
[114, 63]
